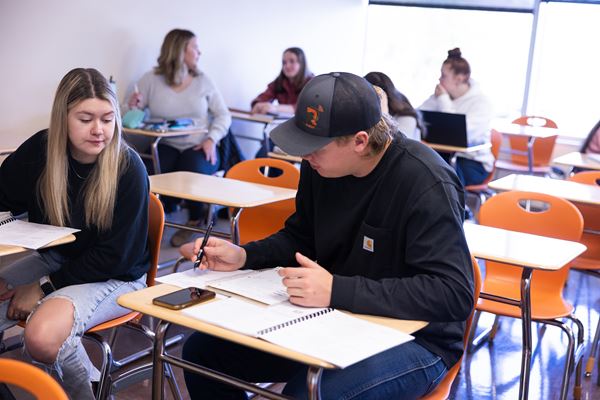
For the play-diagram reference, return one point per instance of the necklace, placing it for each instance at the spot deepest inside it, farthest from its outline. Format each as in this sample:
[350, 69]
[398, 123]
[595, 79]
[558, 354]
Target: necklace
[83, 178]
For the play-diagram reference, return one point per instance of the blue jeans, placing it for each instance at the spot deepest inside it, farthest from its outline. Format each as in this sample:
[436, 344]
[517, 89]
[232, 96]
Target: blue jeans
[470, 172]
[407, 371]
[190, 160]
[93, 303]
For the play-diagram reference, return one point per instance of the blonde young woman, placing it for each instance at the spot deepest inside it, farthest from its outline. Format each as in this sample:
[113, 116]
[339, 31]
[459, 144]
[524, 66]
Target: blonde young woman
[176, 88]
[77, 173]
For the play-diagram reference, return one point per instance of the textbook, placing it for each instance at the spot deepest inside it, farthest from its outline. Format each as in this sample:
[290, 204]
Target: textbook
[324, 333]
[14, 232]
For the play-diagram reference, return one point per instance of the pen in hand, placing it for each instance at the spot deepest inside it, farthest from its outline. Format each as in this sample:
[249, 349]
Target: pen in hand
[201, 251]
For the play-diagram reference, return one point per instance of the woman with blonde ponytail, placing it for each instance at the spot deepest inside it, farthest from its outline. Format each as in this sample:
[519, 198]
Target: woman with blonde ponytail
[77, 173]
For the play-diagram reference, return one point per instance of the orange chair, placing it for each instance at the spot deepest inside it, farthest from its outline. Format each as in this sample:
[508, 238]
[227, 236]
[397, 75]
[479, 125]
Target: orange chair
[482, 190]
[590, 260]
[558, 219]
[542, 148]
[132, 319]
[442, 390]
[32, 379]
[259, 222]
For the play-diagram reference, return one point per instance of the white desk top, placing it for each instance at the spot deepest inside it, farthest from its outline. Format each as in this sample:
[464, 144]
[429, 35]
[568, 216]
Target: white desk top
[580, 160]
[6, 250]
[223, 191]
[455, 149]
[521, 249]
[525, 130]
[173, 133]
[141, 301]
[248, 116]
[572, 191]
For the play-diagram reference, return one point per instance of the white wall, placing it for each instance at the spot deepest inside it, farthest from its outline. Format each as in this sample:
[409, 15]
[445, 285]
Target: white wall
[241, 42]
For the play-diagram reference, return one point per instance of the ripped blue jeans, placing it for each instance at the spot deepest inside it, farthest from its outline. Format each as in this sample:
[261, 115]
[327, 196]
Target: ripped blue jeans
[93, 303]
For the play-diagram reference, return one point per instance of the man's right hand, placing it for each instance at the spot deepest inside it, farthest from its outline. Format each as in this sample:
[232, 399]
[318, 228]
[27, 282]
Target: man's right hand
[220, 255]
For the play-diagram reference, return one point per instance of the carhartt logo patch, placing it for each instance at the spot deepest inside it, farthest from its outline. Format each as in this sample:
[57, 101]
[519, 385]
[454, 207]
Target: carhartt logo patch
[368, 244]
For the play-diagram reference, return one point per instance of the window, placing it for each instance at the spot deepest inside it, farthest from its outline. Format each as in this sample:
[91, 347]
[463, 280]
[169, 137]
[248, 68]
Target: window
[410, 43]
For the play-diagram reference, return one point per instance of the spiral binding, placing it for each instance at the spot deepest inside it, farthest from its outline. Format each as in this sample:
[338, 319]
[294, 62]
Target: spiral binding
[7, 221]
[293, 321]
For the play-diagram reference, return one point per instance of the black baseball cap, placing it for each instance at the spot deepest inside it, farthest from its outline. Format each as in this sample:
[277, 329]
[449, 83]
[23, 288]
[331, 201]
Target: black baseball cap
[329, 106]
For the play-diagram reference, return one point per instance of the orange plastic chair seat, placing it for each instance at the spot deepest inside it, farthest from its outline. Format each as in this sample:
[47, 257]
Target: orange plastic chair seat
[586, 263]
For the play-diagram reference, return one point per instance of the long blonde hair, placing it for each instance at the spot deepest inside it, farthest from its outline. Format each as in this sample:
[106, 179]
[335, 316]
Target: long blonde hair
[171, 59]
[100, 189]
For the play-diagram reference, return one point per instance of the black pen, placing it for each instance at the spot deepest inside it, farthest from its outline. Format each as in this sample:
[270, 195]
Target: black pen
[201, 251]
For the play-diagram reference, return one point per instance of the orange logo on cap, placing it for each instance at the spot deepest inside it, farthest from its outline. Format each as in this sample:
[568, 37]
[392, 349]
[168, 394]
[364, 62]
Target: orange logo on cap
[312, 116]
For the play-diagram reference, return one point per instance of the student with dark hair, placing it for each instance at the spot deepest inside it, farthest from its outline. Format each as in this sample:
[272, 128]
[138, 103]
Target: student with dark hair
[457, 93]
[377, 230]
[281, 95]
[286, 87]
[407, 119]
[78, 173]
[176, 88]
[591, 144]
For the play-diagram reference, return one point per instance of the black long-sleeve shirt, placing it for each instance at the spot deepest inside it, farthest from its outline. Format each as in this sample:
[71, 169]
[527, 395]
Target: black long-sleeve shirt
[393, 241]
[121, 252]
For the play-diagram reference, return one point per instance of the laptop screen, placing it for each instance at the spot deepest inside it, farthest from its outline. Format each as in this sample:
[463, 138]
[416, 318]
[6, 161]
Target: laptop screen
[445, 128]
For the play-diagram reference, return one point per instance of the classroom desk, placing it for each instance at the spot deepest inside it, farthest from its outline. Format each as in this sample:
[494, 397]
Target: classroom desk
[529, 252]
[444, 148]
[265, 119]
[221, 191]
[572, 191]
[285, 157]
[531, 133]
[579, 160]
[156, 137]
[142, 301]
[7, 250]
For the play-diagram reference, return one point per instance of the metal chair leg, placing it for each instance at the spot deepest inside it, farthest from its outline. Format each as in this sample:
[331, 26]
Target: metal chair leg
[589, 366]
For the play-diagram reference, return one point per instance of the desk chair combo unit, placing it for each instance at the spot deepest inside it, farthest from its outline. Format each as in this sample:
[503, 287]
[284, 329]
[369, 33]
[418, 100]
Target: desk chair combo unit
[258, 222]
[30, 378]
[530, 151]
[482, 191]
[516, 291]
[130, 320]
[589, 261]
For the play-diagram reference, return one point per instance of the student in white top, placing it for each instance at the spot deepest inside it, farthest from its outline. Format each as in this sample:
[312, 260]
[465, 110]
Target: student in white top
[176, 88]
[457, 93]
[407, 119]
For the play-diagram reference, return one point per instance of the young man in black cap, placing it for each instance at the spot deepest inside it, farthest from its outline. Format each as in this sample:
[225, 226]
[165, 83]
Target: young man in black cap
[382, 216]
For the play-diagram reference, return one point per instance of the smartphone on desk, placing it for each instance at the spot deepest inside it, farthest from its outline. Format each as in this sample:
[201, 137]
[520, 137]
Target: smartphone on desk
[183, 298]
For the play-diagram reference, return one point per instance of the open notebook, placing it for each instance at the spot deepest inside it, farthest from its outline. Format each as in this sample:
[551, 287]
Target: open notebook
[14, 232]
[323, 333]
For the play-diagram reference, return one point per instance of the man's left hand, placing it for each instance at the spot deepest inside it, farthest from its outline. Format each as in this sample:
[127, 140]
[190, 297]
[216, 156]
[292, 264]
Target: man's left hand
[24, 299]
[308, 285]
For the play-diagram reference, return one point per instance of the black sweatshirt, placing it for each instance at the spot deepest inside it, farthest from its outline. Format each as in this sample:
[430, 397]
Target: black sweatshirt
[119, 253]
[417, 265]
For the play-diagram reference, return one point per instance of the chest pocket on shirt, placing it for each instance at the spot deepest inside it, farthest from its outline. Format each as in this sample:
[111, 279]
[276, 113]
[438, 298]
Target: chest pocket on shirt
[374, 249]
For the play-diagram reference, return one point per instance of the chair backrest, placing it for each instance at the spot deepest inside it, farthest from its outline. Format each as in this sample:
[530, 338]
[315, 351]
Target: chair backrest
[259, 222]
[542, 147]
[591, 217]
[156, 224]
[442, 390]
[30, 378]
[550, 216]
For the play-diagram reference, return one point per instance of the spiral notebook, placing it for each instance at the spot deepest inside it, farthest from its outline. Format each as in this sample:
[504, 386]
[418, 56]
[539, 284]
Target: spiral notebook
[14, 232]
[324, 333]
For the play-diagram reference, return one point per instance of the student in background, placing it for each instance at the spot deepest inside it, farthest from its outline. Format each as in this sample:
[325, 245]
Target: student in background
[457, 93]
[78, 173]
[281, 95]
[377, 230]
[407, 119]
[592, 141]
[176, 88]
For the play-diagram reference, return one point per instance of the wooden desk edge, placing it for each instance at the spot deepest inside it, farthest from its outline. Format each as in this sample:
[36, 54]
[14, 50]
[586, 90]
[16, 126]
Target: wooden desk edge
[145, 306]
[6, 250]
[167, 134]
